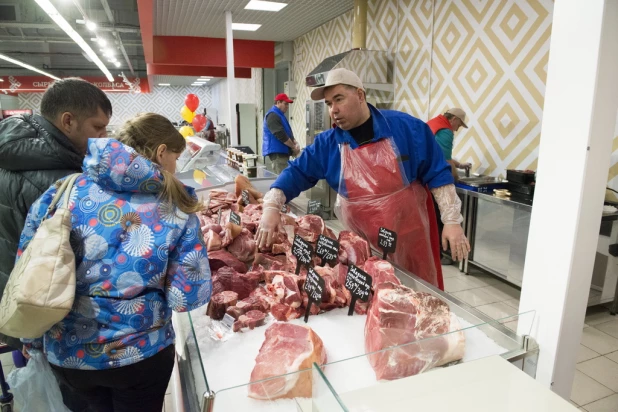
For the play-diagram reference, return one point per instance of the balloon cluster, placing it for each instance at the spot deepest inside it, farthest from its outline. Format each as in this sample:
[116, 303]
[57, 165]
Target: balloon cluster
[188, 114]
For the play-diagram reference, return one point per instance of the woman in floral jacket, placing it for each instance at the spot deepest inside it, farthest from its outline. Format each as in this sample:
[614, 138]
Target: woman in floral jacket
[139, 255]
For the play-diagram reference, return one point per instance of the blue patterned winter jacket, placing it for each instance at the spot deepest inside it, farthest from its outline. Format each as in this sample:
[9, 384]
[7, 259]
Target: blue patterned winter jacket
[137, 259]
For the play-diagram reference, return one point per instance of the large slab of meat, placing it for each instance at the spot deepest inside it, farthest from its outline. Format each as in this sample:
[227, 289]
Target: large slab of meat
[400, 316]
[287, 348]
[353, 249]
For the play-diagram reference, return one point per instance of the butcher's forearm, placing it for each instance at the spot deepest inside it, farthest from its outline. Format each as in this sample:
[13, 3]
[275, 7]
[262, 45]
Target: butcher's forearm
[448, 203]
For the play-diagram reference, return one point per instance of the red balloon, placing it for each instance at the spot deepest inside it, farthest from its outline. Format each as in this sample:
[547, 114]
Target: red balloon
[199, 122]
[192, 101]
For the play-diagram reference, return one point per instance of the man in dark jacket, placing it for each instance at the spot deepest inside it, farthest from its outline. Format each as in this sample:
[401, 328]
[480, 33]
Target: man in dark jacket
[37, 150]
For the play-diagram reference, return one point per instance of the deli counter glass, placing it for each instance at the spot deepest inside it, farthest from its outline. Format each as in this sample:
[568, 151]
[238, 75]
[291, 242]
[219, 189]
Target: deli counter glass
[215, 364]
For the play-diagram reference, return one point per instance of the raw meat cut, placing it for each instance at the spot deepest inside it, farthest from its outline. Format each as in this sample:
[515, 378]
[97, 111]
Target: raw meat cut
[243, 183]
[222, 258]
[263, 296]
[310, 227]
[219, 304]
[400, 316]
[251, 320]
[381, 271]
[269, 275]
[284, 289]
[353, 249]
[287, 348]
[243, 247]
[212, 240]
[226, 278]
[270, 262]
[283, 312]
[253, 303]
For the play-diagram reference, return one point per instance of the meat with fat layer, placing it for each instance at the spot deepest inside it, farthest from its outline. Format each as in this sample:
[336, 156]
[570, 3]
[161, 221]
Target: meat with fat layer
[353, 249]
[220, 302]
[287, 348]
[417, 321]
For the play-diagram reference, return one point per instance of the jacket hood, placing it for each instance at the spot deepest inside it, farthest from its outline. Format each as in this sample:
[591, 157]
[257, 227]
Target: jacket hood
[118, 167]
[32, 143]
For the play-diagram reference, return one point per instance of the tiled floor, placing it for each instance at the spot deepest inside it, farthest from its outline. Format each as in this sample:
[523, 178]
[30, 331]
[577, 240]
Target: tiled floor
[595, 387]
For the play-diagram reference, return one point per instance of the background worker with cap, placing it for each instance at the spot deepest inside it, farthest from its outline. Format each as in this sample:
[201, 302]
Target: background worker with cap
[381, 163]
[443, 127]
[279, 142]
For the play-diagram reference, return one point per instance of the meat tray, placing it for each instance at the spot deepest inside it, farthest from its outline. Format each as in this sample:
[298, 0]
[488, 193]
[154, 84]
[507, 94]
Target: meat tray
[207, 367]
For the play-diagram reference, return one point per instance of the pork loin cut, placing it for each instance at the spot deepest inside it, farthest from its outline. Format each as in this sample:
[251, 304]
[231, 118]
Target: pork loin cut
[219, 304]
[287, 348]
[251, 320]
[400, 316]
[353, 249]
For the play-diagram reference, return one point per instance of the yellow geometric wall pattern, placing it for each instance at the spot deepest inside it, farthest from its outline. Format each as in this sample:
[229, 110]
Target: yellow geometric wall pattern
[488, 57]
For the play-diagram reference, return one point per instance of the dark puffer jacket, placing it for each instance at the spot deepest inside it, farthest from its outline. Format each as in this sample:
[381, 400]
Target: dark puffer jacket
[33, 155]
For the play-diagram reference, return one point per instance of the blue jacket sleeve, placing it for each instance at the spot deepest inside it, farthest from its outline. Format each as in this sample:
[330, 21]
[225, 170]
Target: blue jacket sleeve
[188, 285]
[304, 172]
[433, 170]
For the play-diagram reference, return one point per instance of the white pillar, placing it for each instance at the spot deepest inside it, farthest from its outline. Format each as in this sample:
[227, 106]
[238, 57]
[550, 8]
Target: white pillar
[231, 82]
[579, 116]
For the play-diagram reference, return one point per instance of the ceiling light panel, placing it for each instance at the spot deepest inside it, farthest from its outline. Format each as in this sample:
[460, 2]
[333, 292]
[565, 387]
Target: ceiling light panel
[264, 5]
[49, 8]
[245, 26]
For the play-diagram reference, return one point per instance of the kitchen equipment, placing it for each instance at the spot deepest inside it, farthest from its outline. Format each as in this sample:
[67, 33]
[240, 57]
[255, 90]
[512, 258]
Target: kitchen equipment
[481, 184]
[520, 176]
[521, 188]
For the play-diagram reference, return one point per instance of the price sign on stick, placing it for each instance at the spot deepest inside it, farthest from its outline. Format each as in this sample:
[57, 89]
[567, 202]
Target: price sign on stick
[314, 286]
[235, 219]
[314, 207]
[302, 251]
[387, 241]
[245, 197]
[327, 249]
[359, 284]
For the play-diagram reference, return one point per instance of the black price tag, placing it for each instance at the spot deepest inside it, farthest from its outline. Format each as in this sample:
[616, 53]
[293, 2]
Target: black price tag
[314, 207]
[235, 219]
[327, 249]
[359, 284]
[245, 198]
[387, 241]
[302, 251]
[314, 286]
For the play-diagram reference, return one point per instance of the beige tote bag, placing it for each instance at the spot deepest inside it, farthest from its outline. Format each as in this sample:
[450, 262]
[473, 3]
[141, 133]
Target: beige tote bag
[41, 288]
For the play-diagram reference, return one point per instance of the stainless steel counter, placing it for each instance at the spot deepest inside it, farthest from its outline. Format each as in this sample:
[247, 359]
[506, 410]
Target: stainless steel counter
[497, 229]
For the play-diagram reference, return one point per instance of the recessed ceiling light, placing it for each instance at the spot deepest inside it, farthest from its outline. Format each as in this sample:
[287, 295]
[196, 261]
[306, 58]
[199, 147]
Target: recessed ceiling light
[245, 27]
[206, 77]
[117, 64]
[164, 84]
[102, 42]
[264, 5]
[90, 25]
[27, 66]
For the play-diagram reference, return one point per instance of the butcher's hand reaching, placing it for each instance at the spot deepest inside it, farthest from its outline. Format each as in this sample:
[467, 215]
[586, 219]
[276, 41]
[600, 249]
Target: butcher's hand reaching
[450, 209]
[271, 217]
[296, 150]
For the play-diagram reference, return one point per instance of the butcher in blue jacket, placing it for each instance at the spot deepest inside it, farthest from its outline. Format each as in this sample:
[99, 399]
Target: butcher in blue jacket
[384, 165]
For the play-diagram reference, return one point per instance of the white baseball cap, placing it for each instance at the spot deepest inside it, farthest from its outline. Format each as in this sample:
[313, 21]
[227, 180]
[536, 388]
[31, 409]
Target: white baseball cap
[335, 77]
[456, 111]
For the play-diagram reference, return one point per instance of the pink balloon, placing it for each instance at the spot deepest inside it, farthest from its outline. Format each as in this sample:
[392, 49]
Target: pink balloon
[192, 101]
[199, 122]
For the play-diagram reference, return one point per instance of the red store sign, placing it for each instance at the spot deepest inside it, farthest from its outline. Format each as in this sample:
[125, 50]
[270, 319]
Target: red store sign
[38, 84]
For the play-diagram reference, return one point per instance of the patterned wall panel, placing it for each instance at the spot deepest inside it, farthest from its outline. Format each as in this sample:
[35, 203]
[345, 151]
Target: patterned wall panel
[612, 178]
[490, 59]
[163, 100]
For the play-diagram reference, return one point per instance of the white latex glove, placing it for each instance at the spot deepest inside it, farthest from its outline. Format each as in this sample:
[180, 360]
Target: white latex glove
[271, 217]
[453, 234]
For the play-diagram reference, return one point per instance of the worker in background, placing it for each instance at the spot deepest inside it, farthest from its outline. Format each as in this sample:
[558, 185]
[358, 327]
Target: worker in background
[209, 129]
[382, 163]
[279, 143]
[444, 127]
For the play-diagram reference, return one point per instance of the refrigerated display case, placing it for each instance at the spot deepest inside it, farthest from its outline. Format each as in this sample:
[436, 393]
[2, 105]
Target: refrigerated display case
[215, 374]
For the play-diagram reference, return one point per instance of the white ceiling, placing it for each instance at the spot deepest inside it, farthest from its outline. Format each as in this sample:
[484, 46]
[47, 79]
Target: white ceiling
[206, 18]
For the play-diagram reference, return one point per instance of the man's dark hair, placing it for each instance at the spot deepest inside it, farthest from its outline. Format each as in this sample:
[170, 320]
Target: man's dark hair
[74, 95]
[449, 116]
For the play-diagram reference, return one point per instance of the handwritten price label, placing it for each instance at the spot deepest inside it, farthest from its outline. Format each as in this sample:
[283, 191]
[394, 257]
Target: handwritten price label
[235, 219]
[387, 240]
[327, 249]
[303, 251]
